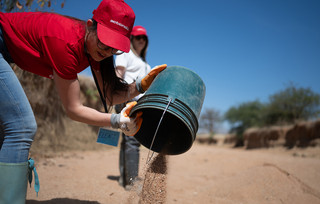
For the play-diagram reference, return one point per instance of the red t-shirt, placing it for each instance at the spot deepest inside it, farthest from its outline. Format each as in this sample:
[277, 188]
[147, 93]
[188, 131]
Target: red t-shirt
[40, 42]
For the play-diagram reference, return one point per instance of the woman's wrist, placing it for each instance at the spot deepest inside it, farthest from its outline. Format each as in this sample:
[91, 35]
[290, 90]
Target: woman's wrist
[115, 120]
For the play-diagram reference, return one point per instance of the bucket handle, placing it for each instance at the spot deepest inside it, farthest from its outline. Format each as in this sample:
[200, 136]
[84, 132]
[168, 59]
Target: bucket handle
[155, 134]
[171, 100]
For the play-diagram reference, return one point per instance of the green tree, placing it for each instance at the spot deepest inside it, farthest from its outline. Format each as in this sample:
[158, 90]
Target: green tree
[245, 115]
[292, 104]
[285, 107]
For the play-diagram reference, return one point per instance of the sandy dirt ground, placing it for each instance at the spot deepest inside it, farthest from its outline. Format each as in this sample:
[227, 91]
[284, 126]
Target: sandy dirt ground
[204, 174]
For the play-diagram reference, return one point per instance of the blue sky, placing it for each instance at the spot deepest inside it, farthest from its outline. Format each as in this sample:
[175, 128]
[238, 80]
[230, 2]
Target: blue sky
[242, 49]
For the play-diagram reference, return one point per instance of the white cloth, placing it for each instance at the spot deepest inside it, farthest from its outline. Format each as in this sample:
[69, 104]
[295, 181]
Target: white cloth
[134, 65]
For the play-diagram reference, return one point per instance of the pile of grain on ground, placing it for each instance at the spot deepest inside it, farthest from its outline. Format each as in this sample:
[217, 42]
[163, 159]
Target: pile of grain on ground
[154, 185]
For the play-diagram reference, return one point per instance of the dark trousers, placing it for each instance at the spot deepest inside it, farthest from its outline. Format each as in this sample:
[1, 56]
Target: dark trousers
[128, 160]
[129, 157]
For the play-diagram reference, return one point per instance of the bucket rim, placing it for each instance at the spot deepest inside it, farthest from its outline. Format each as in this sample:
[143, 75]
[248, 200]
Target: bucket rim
[192, 128]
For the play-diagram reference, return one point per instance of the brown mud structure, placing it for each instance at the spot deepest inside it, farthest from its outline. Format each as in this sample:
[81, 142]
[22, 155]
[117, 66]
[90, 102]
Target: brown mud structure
[301, 134]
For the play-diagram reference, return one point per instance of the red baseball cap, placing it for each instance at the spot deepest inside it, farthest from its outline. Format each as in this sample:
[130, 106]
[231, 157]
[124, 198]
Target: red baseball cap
[139, 30]
[115, 21]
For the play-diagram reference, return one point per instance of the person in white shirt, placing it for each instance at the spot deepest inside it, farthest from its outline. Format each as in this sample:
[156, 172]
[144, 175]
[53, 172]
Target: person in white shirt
[129, 66]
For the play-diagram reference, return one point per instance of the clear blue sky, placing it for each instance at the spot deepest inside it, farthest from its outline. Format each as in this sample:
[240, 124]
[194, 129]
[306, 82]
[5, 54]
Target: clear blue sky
[242, 49]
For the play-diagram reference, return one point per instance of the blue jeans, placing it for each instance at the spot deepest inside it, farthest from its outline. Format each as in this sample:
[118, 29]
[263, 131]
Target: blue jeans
[17, 123]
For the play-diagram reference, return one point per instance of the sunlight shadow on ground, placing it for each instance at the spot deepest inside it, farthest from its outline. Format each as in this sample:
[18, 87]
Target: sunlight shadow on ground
[62, 201]
[113, 178]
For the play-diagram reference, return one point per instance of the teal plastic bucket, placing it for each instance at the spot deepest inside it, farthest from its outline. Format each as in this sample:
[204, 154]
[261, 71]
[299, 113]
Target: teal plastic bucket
[185, 91]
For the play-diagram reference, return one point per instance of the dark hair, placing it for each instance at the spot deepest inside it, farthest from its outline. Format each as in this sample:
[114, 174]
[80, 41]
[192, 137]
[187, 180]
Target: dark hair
[144, 50]
[111, 82]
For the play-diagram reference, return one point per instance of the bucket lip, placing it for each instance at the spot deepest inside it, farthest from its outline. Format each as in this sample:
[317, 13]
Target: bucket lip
[193, 132]
[162, 102]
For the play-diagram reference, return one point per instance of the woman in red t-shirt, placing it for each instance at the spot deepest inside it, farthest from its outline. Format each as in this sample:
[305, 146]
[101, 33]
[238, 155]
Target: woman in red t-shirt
[59, 47]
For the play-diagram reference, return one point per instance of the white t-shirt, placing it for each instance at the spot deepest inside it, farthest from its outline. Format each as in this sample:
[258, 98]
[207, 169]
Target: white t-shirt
[134, 65]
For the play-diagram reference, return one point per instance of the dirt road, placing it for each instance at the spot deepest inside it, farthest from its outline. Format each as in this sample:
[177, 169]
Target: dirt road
[204, 174]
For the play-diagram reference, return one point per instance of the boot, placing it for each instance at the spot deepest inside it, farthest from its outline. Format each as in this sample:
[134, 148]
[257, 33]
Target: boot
[13, 183]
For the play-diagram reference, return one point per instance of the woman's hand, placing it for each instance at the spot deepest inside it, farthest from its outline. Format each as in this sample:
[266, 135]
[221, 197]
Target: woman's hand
[144, 83]
[129, 125]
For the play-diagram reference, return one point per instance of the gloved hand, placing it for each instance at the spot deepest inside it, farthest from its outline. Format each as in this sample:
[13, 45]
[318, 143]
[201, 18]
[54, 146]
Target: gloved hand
[129, 126]
[143, 83]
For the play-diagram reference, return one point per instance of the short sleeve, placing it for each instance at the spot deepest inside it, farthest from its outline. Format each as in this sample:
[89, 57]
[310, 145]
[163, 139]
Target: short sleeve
[121, 60]
[61, 57]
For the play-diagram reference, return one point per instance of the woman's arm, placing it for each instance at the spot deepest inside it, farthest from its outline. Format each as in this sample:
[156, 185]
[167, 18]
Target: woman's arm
[69, 92]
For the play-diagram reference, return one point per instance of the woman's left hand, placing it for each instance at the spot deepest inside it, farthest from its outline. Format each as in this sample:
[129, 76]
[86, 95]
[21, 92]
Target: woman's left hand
[144, 83]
